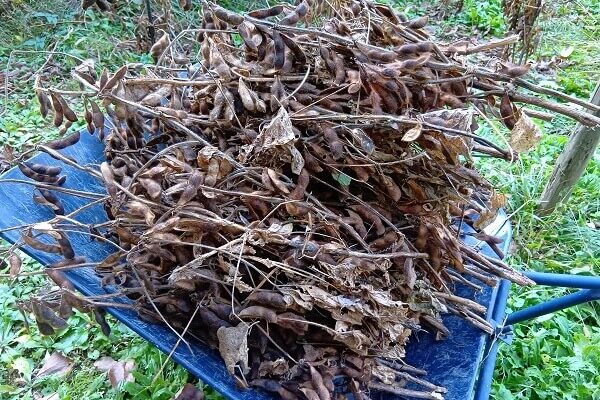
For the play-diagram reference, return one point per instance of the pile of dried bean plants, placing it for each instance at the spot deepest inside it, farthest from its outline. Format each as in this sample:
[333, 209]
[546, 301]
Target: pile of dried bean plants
[295, 199]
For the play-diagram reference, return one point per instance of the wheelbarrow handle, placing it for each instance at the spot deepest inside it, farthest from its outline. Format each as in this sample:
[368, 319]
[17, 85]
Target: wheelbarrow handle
[570, 300]
[590, 291]
[590, 286]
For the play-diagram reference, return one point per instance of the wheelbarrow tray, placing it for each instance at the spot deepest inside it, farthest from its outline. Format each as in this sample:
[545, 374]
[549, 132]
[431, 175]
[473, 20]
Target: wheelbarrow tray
[453, 363]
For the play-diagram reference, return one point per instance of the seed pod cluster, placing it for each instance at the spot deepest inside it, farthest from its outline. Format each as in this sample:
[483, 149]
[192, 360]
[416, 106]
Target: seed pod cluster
[311, 183]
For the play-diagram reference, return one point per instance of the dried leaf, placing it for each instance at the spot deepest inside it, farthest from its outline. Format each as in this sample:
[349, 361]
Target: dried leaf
[55, 364]
[413, 133]
[233, 346]
[278, 134]
[190, 392]
[157, 48]
[525, 134]
[15, 263]
[104, 363]
[566, 52]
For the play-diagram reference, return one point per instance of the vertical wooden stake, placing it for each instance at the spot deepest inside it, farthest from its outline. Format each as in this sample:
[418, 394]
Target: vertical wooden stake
[151, 29]
[571, 163]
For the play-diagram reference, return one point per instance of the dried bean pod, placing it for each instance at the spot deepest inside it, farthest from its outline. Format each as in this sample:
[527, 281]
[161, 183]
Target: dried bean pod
[44, 101]
[65, 246]
[266, 12]
[48, 198]
[296, 50]
[279, 48]
[67, 111]
[258, 312]
[28, 172]
[44, 169]
[47, 321]
[35, 244]
[226, 15]
[115, 79]
[332, 139]
[295, 16]
[97, 118]
[62, 143]
[418, 23]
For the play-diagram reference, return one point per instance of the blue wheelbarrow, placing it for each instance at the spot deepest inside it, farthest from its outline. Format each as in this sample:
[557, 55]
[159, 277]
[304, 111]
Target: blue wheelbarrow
[463, 363]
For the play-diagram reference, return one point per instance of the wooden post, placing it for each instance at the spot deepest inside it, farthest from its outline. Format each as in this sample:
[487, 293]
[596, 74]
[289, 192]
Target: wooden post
[571, 163]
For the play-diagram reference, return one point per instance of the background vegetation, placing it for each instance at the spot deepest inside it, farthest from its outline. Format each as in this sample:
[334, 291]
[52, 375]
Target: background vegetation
[553, 357]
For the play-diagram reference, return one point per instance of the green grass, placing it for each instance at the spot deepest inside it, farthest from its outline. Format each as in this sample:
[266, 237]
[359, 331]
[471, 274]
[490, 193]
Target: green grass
[553, 357]
[22, 351]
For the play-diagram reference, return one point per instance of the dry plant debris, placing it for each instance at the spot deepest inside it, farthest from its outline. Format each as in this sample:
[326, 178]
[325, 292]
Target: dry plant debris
[522, 16]
[296, 200]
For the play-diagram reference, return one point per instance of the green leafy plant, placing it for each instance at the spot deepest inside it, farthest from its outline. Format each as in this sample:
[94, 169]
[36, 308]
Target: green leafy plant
[486, 16]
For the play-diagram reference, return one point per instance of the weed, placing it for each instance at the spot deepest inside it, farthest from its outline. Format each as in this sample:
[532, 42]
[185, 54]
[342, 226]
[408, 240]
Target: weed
[486, 16]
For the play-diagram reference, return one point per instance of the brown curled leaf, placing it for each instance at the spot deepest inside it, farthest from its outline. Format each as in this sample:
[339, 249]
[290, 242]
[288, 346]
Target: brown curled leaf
[157, 48]
[152, 187]
[109, 178]
[217, 62]
[246, 96]
[85, 76]
[274, 176]
[191, 189]
[413, 133]
[15, 263]
[392, 189]
[140, 209]
[317, 382]
[246, 31]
